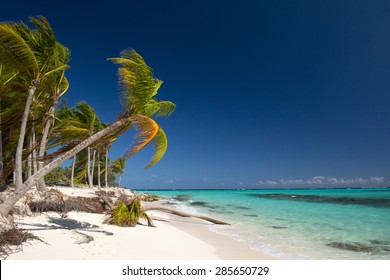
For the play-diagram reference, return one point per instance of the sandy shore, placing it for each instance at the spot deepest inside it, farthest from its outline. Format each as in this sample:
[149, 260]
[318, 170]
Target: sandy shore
[83, 236]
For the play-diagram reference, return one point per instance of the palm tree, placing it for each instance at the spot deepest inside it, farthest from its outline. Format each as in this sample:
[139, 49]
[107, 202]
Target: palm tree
[118, 168]
[32, 53]
[106, 148]
[128, 215]
[57, 86]
[76, 124]
[139, 91]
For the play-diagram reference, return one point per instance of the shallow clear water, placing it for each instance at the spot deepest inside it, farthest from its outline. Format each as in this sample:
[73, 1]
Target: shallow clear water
[299, 224]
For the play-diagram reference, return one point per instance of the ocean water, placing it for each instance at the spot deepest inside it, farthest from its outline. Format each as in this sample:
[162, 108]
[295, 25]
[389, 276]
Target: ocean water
[328, 224]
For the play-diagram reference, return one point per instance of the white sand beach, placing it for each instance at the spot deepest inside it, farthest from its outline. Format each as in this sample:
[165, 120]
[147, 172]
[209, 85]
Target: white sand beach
[83, 236]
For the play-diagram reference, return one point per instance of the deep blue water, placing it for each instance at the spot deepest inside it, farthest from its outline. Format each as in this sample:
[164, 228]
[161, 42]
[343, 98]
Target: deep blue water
[298, 224]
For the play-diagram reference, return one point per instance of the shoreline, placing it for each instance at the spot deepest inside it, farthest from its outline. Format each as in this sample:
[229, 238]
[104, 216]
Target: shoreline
[82, 236]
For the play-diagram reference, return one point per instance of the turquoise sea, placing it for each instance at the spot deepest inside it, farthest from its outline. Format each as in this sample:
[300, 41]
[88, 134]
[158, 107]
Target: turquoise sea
[298, 224]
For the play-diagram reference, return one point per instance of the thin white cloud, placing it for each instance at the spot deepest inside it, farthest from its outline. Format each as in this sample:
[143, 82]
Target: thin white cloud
[171, 181]
[321, 180]
[377, 179]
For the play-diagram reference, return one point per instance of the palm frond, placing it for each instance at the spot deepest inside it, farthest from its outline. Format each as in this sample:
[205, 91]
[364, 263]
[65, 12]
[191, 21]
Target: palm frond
[15, 52]
[154, 107]
[128, 215]
[166, 108]
[118, 165]
[160, 147]
[147, 129]
[136, 80]
[57, 69]
[63, 86]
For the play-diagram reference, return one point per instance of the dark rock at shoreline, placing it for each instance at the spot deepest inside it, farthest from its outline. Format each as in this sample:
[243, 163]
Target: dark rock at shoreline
[203, 204]
[354, 246]
[373, 202]
[243, 207]
[279, 227]
[182, 197]
[169, 203]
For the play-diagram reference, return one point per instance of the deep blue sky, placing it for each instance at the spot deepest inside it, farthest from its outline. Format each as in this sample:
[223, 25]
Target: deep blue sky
[268, 93]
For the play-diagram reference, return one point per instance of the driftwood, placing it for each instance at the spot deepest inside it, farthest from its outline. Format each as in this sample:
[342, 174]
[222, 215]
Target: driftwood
[182, 214]
[105, 199]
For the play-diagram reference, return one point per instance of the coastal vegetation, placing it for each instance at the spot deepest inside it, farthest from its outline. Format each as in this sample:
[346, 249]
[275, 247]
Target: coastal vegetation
[39, 132]
[33, 65]
[128, 214]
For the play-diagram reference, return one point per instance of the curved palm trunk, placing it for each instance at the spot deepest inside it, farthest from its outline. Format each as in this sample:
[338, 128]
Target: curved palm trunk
[31, 163]
[34, 154]
[89, 168]
[10, 201]
[72, 172]
[19, 150]
[43, 146]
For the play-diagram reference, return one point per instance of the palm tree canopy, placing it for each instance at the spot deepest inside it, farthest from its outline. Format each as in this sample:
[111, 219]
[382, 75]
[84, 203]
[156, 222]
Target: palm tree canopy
[138, 93]
[118, 165]
[139, 87]
[32, 52]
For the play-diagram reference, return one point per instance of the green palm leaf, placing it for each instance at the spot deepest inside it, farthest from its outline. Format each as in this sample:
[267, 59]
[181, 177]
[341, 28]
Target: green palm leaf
[15, 52]
[136, 80]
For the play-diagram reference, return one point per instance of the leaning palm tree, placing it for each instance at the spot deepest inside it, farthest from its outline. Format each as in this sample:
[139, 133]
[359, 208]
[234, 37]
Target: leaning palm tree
[118, 168]
[139, 88]
[33, 54]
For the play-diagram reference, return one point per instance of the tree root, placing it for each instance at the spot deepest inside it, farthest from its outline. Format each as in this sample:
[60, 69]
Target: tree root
[12, 239]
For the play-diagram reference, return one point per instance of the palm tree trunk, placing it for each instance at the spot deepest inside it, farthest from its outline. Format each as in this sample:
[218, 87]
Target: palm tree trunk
[89, 168]
[72, 172]
[98, 171]
[93, 165]
[43, 145]
[106, 171]
[10, 201]
[19, 150]
[29, 170]
[34, 154]
[28, 167]
[119, 183]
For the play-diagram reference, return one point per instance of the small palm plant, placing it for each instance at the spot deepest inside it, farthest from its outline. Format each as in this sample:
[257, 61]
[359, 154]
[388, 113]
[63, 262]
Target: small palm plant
[128, 215]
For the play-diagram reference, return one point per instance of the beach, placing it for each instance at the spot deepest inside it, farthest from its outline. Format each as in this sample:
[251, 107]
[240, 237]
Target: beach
[83, 236]
[264, 224]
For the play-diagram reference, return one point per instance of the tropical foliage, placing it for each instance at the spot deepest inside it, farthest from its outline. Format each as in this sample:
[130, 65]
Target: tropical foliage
[33, 118]
[118, 168]
[128, 215]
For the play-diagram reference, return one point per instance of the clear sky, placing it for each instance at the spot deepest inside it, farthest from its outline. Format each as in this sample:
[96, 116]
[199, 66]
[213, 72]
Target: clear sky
[268, 93]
